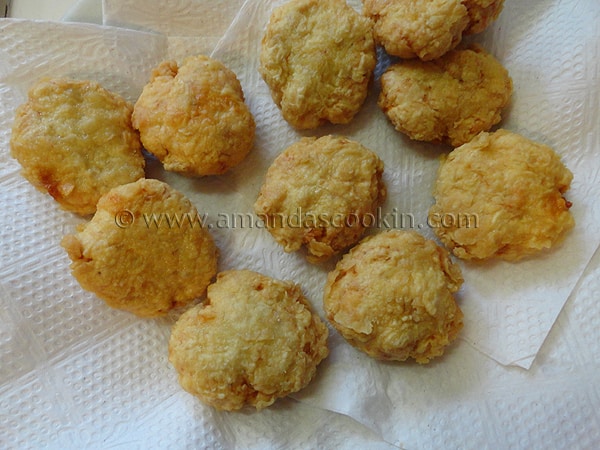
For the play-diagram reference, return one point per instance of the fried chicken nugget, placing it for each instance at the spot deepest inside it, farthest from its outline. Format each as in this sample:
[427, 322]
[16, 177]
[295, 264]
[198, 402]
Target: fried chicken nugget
[481, 14]
[193, 117]
[392, 297]
[449, 100]
[321, 193]
[253, 341]
[74, 140]
[501, 195]
[317, 58]
[427, 29]
[145, 250]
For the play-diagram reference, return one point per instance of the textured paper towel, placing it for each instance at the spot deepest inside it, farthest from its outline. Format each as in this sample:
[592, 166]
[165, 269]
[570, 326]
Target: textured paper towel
[509, 307]
[204, 20]
[78, 373]
[75, 374]
[197, 18]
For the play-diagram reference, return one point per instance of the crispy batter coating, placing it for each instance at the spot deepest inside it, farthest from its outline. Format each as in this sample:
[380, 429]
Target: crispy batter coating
[417, 28]
[193, 117]
[321, 193]
[255, 340]
[427, 29]
[449, 100]
[501, 195]
[144, 251]
[481, 14]
[75, 141]
[317, 57]
[392, 297]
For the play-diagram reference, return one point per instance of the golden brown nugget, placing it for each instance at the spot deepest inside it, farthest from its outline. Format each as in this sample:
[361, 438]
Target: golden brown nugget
[144, 251]
[193, 117]
[74, 140]
[427, 29]
[501, 195]
[392, 297]
[321, 193]
[449, 100]
[254, 340]
[481, 14]
[317, 58]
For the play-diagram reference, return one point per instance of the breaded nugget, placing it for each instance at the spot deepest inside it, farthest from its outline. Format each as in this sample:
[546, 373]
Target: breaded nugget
[417, 28]
[75, 141]
[448, 100]
[193, 117]
[427, 29]
[144, 251]
[501, 195]
[253, 341]
[392, 297]
[481, 14]
[317, 57]
[321, 193]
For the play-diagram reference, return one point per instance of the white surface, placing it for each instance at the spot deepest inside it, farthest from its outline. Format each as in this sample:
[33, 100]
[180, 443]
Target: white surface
[81, 375]
[507, 321]
[39, 9]
[89, 11]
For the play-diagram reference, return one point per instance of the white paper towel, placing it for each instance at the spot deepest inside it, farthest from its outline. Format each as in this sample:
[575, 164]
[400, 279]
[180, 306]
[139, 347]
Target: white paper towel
[204, 20]
[78, 374]
[509, 307]
[75, 374]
